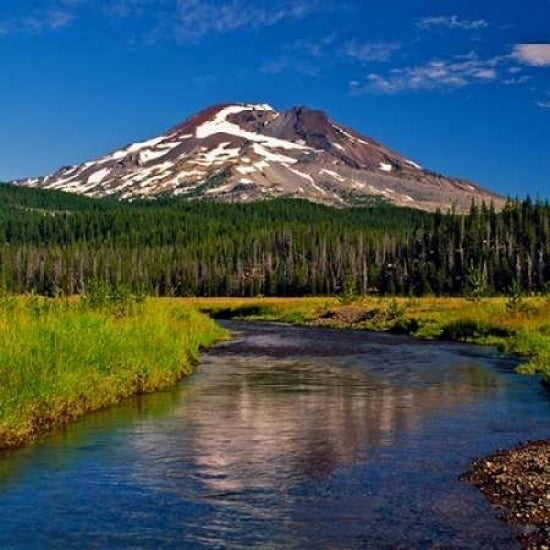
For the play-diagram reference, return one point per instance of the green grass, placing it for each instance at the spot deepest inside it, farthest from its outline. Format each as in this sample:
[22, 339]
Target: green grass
[60, 359]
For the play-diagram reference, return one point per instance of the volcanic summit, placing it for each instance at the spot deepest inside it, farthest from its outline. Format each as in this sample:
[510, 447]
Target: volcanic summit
[249, 152]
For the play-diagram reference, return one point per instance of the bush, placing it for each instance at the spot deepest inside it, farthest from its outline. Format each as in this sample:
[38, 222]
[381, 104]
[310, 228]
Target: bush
[471, 330]
[119, 299]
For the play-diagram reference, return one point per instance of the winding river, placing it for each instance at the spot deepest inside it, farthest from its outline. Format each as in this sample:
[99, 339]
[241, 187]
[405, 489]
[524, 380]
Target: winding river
[284, 438]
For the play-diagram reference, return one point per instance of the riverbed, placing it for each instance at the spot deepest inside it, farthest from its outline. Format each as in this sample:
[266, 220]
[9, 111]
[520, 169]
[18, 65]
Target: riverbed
[285, 437]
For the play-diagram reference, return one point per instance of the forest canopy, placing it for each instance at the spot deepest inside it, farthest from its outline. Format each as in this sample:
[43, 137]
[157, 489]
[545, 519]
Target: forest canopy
[54, 243]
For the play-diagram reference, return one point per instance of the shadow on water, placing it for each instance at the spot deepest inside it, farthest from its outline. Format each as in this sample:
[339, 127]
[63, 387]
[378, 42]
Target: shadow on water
[285, 438]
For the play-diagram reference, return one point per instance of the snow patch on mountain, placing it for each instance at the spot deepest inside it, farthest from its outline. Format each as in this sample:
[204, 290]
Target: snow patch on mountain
[413, 164]
[98, 176]
[244, 170]
[221, 153]
[309, 178]
[349, 136]
[332, 174]
[220, 125]
[261, 151]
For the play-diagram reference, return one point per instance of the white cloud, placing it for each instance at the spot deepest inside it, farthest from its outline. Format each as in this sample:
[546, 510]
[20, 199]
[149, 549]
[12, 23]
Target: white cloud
[544, 104]
[536, 55]
[371, 51]
[450, 22]
[458, 72]
[514, 70]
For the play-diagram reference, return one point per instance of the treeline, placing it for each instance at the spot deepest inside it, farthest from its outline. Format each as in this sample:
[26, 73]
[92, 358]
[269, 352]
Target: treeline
[53, 243]
[482, 253]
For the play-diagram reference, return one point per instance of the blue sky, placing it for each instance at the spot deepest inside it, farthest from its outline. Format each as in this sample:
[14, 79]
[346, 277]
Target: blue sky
[461, 87]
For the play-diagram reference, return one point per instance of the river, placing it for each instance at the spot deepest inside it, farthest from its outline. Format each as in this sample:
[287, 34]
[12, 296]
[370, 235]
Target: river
[285, 437]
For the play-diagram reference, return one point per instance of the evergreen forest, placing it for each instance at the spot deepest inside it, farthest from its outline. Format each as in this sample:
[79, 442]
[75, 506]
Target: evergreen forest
[54, 243]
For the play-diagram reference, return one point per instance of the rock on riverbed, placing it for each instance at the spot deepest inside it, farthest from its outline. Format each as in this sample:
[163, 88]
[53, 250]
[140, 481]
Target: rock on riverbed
[518, 481]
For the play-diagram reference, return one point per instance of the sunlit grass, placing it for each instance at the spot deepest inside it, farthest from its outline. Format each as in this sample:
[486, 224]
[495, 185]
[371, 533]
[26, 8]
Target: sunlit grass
[59, 360]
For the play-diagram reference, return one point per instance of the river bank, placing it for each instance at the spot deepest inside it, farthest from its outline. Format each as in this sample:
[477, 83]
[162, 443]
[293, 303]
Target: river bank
[61, 359]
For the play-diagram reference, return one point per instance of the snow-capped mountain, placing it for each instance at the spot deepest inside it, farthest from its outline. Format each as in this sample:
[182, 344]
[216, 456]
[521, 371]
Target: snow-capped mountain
[244, 152]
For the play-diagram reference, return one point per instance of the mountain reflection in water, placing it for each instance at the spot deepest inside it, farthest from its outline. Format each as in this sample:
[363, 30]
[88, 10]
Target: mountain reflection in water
[315, 417]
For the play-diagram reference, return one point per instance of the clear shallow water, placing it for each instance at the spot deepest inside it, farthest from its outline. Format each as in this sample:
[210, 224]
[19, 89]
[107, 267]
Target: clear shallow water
[285, 438]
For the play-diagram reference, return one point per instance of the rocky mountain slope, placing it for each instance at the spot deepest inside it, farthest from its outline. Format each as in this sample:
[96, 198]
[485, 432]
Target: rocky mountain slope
[244, 152]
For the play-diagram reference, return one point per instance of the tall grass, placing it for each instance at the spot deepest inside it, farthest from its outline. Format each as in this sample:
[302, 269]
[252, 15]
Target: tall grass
[60, 359]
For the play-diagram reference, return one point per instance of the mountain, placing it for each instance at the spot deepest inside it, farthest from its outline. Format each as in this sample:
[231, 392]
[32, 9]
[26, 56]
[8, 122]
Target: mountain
[244, 153]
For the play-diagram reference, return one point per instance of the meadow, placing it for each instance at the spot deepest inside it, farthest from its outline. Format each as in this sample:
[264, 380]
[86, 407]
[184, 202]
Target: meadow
[60, 359]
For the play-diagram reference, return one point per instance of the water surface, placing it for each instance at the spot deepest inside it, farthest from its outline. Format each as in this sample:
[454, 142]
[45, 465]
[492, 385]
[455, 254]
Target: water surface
[285, 438]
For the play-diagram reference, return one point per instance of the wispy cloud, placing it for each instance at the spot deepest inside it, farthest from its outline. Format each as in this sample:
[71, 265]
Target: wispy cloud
[47, 21]
[197, 18]
[544, 104]
[37, 22]
[450, 22]
[517, 80]
[312, 56]
[306, 56]
[371, 51]
[287, 63]
[181, 20]
[536, 55]
[457, 72]
[191, 21]
[123, 8]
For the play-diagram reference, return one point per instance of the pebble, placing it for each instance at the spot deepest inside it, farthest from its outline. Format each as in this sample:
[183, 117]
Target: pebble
[518, 481]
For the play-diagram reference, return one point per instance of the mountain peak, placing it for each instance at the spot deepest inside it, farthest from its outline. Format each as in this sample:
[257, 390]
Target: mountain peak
[244, 151]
